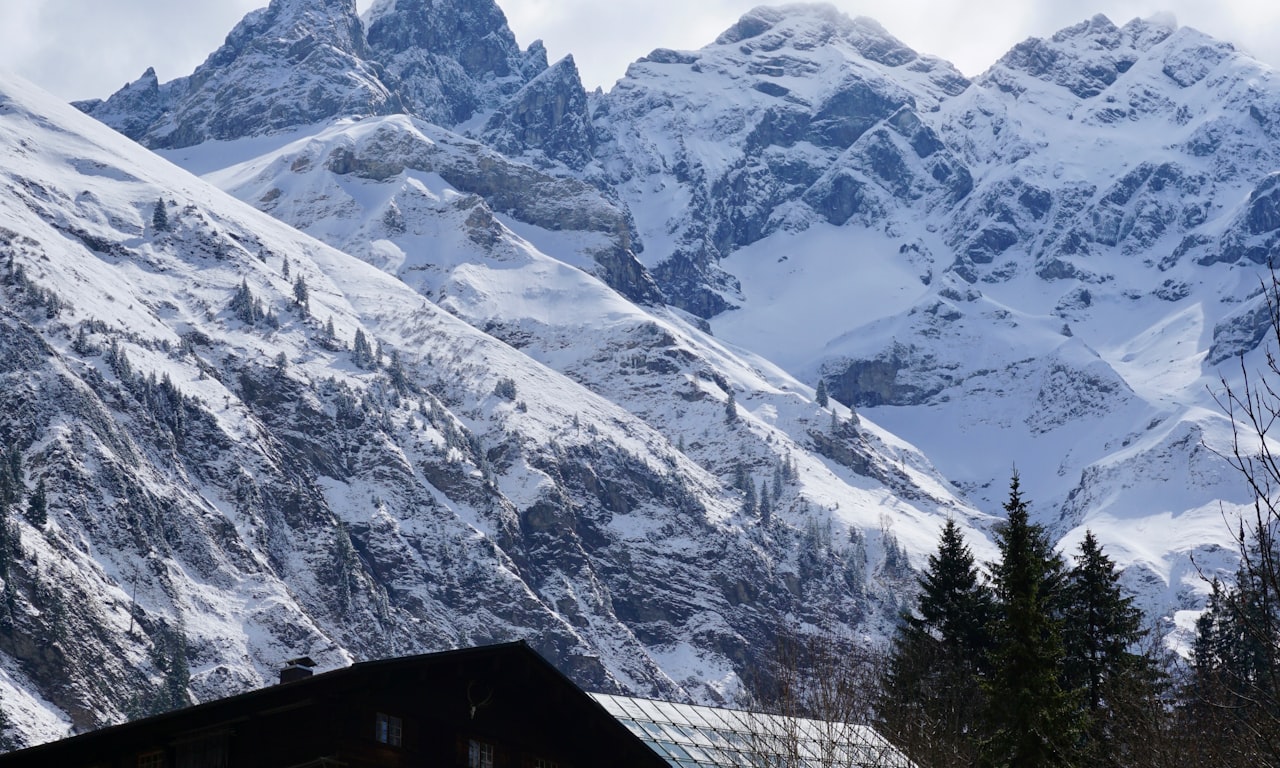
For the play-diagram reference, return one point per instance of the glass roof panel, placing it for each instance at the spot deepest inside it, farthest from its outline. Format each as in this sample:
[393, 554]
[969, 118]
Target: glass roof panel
[689, 736]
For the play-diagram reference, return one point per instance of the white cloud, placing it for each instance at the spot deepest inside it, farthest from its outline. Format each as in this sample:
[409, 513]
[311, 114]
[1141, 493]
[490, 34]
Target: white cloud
[86, 48]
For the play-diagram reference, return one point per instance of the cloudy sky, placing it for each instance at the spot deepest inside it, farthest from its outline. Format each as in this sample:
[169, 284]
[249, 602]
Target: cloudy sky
[86, 48]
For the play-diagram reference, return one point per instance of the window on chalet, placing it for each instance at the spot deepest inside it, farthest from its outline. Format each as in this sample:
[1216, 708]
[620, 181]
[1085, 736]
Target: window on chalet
[389, 729]
[479, 754]
[542, 762]
[152, 759]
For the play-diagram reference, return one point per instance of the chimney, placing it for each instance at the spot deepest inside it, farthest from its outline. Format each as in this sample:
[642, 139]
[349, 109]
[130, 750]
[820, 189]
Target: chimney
[297, 669]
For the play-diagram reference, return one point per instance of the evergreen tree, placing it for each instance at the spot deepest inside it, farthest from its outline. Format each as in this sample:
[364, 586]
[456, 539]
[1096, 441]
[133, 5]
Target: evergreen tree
[38, 506]
[169, 655]
[931, 700]
[731, 409]
[505, 388]
[1102, 631]
[820, 395]
[1234, 690]
[245, 306]
[1032, 720]
[765, 506]
[740, 479]
[361, 352]
[119, 362]
[954, 602]
[302, 295]
[160, 217]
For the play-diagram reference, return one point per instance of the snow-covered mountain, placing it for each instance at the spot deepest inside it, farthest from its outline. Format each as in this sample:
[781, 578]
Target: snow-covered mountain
[552, 372]
[254, 445]
[1047, 266]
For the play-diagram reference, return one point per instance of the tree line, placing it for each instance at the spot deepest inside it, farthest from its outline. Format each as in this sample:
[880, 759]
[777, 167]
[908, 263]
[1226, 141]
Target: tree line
[1036, 660]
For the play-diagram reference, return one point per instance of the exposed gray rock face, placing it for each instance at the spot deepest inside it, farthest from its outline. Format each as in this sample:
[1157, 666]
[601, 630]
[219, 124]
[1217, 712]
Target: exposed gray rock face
[296, 62]
[133, 109]
[547, 121]
[449, 59]
[1241, 331]
[1254, 236]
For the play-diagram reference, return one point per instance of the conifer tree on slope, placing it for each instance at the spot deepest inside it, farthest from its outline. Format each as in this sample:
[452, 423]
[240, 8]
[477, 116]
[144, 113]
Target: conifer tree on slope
[1101, 635]
[931, 700]
[1234, 687]
[1033, 721]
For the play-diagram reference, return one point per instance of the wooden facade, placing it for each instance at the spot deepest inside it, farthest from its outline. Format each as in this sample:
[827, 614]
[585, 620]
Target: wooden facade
[500, 706]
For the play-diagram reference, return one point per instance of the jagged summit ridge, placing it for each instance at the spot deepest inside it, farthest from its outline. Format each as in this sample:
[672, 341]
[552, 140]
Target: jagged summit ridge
[823, 23]
[302, 62]
[295, 62]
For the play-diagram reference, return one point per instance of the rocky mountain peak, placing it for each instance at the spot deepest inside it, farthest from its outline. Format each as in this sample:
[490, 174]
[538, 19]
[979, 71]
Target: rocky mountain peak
[450, 58]
[333, 22]
[809, 26]
[295, 62]
[449, 27]
[1085, 58]
[548, 117]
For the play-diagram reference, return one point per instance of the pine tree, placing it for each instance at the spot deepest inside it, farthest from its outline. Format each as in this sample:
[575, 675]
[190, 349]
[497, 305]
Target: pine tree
[361, 352]
[160, 217]
[731, 409]
[820, 395]
[245, 306]
[38, 506]
[1102, 631]
[301, 295]
[1032, 720]
[1234, 688]
[765, 506]
[931, 699]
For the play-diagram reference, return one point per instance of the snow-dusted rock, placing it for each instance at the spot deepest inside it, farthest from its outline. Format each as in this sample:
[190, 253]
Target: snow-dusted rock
[295, 62]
